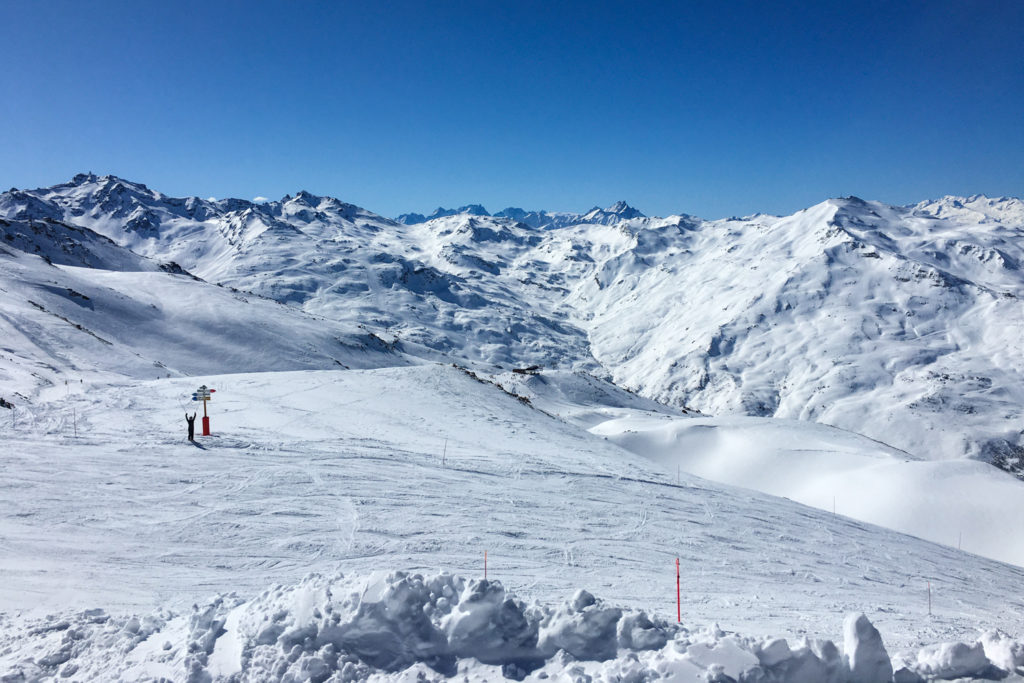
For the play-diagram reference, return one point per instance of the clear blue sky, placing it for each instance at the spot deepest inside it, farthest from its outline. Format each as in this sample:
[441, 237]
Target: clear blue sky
[709, 108]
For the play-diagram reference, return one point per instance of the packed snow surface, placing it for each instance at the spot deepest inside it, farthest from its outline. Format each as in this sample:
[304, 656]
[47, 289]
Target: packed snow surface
[423, 469]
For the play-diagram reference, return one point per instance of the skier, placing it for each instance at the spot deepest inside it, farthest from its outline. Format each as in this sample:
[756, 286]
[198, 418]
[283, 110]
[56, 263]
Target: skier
[191, 426]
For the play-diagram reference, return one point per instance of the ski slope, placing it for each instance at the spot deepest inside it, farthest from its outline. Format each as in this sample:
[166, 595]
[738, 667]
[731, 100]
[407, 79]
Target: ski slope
[418, 469]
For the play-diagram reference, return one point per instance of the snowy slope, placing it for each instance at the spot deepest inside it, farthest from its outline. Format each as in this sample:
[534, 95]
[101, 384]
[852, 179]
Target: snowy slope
[61, 323]
[867, 317]
[958, 503]
[898, 323]
[63, 244]
[422, 468]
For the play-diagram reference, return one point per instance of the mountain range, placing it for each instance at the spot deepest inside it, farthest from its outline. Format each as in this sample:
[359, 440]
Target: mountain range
[619, 211]
[898, 322]
[785, 418]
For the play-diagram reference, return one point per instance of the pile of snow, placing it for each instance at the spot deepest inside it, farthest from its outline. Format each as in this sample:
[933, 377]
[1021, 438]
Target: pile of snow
[405, 627]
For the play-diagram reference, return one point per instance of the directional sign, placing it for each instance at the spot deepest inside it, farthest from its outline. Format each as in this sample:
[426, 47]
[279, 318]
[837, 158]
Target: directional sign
[203, 394]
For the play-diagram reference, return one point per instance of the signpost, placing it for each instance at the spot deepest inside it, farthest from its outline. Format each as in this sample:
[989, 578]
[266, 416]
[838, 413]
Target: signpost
[203, 394]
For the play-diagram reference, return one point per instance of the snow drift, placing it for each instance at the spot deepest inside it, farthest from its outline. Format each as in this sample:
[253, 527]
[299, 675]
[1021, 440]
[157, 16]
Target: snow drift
[404, 627]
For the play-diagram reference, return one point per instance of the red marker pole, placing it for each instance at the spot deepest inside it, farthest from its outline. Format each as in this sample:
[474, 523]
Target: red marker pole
[206, 420]
[679, 603]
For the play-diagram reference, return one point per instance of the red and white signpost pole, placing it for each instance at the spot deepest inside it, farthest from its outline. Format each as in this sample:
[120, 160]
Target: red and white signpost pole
[203, 394]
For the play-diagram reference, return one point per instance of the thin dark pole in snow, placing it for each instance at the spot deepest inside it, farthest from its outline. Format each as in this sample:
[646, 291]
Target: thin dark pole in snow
[833, 505]
[679, 603]
[485, 565]
[929, 598]
[74, 412]
[960, 540]
[444, 453]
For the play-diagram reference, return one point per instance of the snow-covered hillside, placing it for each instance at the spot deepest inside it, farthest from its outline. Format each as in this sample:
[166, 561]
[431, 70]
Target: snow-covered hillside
[880, 320]
[426, 469]
[119, 316]
[417, 397]
[962, 503]
[902, 324]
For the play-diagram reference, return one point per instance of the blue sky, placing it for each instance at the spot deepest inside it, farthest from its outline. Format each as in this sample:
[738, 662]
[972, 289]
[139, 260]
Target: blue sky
[708, 108]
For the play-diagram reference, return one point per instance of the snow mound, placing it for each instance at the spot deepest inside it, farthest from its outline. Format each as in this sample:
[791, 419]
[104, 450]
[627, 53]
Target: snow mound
[865, 654]
[405, 627]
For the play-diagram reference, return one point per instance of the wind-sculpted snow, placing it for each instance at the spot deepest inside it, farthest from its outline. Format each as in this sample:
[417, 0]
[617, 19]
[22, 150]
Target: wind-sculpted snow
[404, 627]
[902, 324]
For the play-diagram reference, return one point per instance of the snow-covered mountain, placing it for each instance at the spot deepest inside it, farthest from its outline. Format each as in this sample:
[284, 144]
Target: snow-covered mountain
[75, 304]
[441, 212]
[900, 323]
[410, 398]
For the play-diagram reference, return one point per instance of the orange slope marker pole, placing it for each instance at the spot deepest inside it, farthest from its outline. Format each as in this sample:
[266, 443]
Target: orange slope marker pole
[679, 603]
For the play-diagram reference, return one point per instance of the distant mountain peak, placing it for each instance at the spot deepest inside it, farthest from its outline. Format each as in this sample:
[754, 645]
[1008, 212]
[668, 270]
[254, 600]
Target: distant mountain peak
[474, 210]
[441, 212]
[82, 178]
[113, 180]
[411, 218]
[307, 198]
[619, 211]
